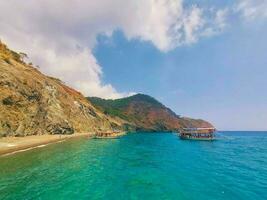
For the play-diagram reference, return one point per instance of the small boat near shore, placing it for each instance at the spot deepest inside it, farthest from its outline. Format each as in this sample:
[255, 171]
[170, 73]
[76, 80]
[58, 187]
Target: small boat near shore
[205, 134]
[108, 135]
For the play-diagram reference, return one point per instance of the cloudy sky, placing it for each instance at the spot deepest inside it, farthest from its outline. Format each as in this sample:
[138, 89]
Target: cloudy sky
[202, 58]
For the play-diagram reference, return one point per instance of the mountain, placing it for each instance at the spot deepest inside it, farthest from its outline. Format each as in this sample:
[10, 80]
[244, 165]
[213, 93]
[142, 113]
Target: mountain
[32, 103]
[144, 113]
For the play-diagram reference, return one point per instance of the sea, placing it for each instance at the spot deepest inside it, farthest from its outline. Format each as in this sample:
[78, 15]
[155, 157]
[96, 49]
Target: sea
[140, 166]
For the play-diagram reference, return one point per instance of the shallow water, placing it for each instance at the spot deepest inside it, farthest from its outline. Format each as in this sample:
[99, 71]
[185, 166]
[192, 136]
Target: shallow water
[140, 166]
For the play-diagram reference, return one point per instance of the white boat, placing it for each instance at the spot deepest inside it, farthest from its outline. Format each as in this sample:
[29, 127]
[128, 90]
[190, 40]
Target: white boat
[197, 133]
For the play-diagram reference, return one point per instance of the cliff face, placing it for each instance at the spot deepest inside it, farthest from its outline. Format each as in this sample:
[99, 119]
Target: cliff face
[145, 113]
[32, 103]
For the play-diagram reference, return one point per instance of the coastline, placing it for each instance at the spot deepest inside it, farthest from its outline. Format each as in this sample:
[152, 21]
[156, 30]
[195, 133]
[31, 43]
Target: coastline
[11, 145]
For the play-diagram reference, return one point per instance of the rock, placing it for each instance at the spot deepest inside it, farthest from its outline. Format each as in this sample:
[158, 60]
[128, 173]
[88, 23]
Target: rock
[60, 128]
[32, 103]
[8, 101]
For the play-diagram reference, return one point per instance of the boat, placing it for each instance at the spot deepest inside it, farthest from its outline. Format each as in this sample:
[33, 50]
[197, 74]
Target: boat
[108, 135]
[197, 133]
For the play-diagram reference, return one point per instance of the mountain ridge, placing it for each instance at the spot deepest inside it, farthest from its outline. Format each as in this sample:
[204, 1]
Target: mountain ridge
[145, 113]
[32, 103]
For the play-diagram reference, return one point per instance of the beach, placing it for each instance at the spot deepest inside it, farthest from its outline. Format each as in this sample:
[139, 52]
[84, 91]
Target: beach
[10, 145]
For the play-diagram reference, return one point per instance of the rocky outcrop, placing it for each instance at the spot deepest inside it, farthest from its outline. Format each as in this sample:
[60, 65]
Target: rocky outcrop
[32, 103]
[144, 113]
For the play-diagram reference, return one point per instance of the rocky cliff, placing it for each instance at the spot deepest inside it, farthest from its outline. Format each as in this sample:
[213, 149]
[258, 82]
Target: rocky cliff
[144, 113]
[32, 103]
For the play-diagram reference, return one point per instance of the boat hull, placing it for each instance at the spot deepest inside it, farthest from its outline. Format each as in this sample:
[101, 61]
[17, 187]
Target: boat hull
[199, 139]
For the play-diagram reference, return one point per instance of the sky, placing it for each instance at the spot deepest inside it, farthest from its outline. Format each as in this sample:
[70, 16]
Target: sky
[202, 58]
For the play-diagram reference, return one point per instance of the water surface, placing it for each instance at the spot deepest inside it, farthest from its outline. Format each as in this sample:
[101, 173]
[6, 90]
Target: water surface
[141, 166]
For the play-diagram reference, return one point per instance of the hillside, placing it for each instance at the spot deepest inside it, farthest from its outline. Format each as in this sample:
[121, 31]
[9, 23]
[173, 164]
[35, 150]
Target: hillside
[144, 113]
[32, 103]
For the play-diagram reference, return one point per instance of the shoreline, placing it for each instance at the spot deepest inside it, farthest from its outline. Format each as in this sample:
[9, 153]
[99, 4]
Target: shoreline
[12, 145]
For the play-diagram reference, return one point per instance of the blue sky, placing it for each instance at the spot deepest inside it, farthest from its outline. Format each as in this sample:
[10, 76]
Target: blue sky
[222, 79]
[202, 58]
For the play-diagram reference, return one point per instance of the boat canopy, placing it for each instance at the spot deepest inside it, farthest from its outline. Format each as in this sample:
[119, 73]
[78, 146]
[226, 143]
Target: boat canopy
[197, 133]
[196, 129]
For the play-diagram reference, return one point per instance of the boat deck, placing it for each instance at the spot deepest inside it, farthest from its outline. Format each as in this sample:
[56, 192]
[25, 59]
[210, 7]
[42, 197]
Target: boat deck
[197, 133]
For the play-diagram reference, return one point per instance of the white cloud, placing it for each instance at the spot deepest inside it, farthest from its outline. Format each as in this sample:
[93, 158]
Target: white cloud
[219, 23]
[59, 36]
[252, 9]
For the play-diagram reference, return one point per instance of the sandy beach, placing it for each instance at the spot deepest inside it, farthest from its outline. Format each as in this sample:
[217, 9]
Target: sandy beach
[10, 145]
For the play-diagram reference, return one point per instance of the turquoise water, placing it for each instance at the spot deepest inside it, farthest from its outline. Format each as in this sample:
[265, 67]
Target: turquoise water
[140, 166]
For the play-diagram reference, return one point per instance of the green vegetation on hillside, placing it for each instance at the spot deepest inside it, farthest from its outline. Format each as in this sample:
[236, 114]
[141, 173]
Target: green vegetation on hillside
[32, 103]
[143, 112]
[116, 108]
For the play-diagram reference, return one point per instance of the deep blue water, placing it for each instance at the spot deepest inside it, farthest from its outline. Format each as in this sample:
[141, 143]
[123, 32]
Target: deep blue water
[141, 166]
